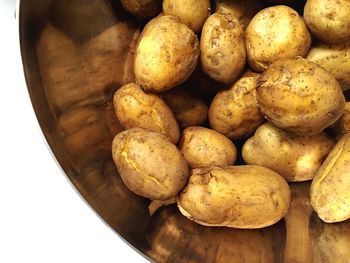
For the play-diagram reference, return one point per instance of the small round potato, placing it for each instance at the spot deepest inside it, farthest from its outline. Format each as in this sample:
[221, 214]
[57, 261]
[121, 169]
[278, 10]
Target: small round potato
[149, 164]
[166, 54]
[329, 20]
[335, 59]
[235, 112]
[330, 196]
[243, 10]
[193, 13]
[136, 109]
[298, 96]
[276, 33]
[201, 147]
[296, 158]
[235, 196]
[189, 109]
[223, 54]
[142, 8]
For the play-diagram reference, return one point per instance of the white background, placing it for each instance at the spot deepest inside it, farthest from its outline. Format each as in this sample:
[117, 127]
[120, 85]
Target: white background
[42, 219]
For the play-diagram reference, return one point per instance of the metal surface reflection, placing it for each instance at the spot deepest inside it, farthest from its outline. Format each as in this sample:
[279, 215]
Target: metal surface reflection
[76, 53]
[174, 238]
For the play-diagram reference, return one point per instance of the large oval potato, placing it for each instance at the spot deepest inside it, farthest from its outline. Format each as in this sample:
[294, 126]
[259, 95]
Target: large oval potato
[166, 54]
[235, 196]
[235, 112]
[329, 20]
[193, 13]
[136, 109]
[330, 195]
[223, 53]
[296, 158]
[149, 164]
[201, 146]
[276, 33]
[298, 96]
[335, 59]
[142, 8]
[243, 10]
[189, 109]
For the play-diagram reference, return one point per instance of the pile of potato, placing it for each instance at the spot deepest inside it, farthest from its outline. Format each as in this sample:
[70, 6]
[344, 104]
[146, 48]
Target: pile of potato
[251, 83]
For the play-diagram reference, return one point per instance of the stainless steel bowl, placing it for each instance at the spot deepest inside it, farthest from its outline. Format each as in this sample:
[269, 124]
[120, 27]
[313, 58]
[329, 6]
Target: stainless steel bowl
[76, 53]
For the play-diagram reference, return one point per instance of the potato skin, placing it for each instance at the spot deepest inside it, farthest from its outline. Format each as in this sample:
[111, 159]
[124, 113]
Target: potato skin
[189, 109]
[166, 54]
[296, 158]
[329, 20]
[235, 112]
[246, 196]
[298, 96]
[276, 33]
[149, 164]
[136, 109]
[201, 147]
[334, 59]
[193, 13]
[223, 53]
[330, 196]
[142, 8]
[243, 10]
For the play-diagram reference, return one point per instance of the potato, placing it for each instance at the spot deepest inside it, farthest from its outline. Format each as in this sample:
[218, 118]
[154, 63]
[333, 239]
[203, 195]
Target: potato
[276, 33]
[330, 196]
[342, 126]
[201, 146]
[235, 196]
[329, 20]
[335, 59]
[298, 96]
[243, 10]
[142, 8]
[149, 164]
[189, 109]
[235, 112]
[223, 54]
[166, 54]
[193, 13]
[136, 109]
[296, 158]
